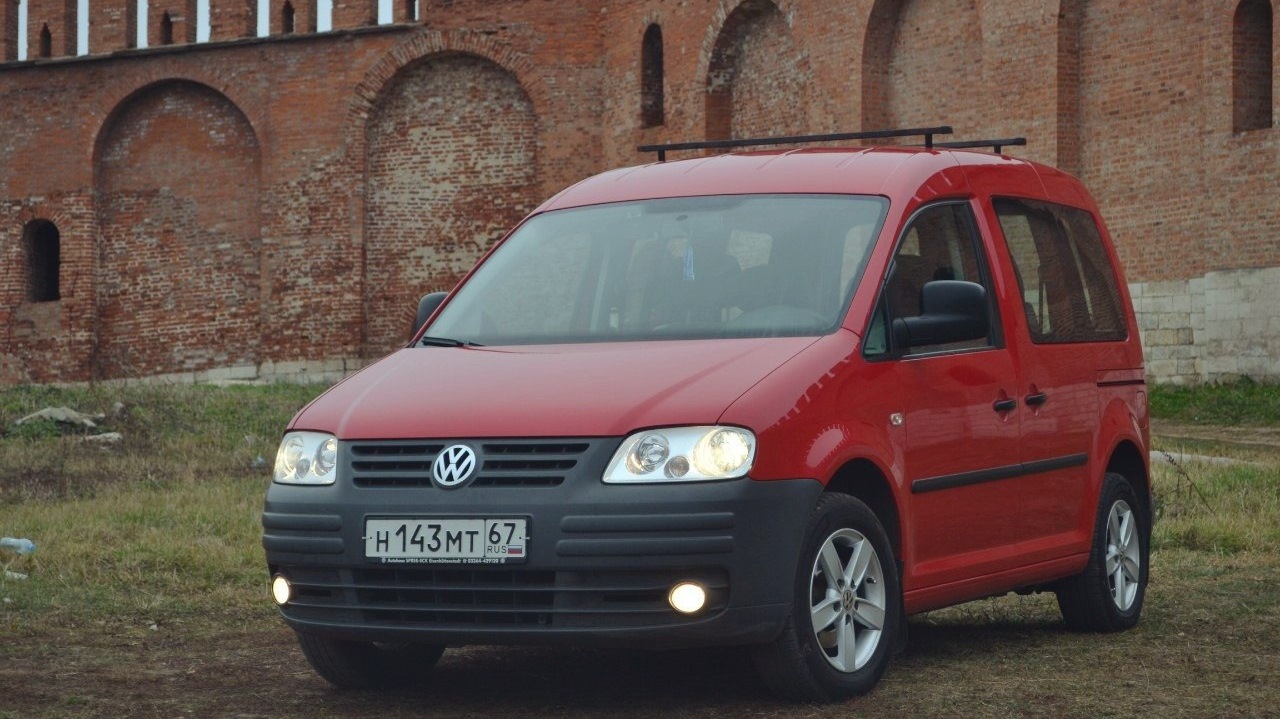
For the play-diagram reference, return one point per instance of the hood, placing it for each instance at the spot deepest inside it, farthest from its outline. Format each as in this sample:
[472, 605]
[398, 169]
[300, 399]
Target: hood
[595, 390]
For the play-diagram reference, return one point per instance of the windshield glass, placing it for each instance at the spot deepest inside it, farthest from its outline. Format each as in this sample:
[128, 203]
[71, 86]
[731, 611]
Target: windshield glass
[684, 268]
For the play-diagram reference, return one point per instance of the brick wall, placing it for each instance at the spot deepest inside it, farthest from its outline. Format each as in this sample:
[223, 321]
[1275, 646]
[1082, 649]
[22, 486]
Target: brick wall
[250, 206]
[179, 274]
[51, 28]
[9, 30]
[451, 155]
[758, 81]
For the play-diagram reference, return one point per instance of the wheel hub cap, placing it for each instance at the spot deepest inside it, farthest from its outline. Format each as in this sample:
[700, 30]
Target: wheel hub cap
[847, 600]
[1124, 557]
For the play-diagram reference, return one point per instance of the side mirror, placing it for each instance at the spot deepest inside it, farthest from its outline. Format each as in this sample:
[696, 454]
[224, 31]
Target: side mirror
[950, 311]
[426, 307]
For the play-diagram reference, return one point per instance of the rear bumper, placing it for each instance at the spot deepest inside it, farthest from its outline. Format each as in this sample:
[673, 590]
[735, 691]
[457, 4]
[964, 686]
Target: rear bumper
[601, 561]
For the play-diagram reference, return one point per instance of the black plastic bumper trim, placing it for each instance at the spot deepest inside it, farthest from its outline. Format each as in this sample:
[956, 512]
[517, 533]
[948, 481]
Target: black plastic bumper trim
[303, 545]
[302, 522]
[647, 522]
[744, 625]
[666, 547]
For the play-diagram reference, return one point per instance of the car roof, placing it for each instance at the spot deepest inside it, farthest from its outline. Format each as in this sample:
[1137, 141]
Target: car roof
[894, 172]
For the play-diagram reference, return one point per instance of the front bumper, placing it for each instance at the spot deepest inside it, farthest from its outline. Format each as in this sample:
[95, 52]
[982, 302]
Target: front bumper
[601, 559]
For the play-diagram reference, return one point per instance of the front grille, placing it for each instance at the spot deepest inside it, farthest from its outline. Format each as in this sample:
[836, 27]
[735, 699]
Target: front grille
[509, 463]
[493, 598]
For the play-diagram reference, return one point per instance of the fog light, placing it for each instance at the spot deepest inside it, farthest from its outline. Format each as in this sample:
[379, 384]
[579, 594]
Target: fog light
[687, 597]
[280, 590]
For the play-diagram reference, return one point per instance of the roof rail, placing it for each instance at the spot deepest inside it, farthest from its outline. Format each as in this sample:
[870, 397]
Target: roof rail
[927, 132]
[995, 145]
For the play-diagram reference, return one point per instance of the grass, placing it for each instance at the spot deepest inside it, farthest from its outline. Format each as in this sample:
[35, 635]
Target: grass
[147, 597]
[1243, 402]
[170, 433]
[1234, 510]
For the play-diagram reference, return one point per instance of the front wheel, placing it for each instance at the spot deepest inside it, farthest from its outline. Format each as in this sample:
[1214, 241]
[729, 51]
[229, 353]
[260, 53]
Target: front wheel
[1107, 596]
[846, 609]
[366, 665]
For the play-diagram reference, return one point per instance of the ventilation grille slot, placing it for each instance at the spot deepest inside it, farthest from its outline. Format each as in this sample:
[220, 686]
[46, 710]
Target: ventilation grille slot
[502, 464]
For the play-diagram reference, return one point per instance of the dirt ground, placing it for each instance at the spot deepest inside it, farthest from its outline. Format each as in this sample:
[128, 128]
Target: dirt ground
[167, 672]
[1004, 658]
[1248, 438]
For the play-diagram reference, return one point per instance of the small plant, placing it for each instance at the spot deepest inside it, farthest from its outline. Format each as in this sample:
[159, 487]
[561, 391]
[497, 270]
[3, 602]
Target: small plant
[1177, 502]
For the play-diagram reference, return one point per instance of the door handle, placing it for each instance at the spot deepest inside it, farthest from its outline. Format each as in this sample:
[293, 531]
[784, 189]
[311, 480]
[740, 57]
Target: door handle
[1037, 399]
[1005, 405]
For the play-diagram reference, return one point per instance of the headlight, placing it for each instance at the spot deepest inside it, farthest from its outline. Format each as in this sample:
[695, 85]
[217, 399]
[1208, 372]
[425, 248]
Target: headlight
[683, 454]
[307, 458]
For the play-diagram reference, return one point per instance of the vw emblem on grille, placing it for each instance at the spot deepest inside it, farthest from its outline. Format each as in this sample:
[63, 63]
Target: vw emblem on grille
[454, 465]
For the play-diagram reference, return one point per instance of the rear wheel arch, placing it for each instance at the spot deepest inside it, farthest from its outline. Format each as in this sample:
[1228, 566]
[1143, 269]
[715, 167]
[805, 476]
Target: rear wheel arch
[1127, 461]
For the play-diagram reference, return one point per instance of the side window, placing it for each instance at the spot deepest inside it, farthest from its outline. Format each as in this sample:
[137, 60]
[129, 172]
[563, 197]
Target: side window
[939, 244]
[1069, 289]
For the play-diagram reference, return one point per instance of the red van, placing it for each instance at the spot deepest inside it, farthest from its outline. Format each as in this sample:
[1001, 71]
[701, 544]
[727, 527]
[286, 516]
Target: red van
[778, 399]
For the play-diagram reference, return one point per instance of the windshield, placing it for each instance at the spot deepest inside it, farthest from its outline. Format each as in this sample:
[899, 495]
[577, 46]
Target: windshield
[684, 268]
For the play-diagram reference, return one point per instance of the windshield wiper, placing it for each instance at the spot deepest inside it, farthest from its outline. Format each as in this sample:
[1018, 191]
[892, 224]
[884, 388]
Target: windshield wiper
[429, 341]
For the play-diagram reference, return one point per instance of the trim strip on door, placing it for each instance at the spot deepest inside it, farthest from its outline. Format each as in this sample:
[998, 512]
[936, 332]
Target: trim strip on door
[1123, 383]
[964, 479]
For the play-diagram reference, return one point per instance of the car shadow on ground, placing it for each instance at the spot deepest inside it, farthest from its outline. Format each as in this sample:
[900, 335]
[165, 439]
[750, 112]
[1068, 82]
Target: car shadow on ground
[558, 681]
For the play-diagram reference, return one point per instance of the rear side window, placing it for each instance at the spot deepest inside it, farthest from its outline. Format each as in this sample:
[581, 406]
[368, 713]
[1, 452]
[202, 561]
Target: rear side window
[1069, 289]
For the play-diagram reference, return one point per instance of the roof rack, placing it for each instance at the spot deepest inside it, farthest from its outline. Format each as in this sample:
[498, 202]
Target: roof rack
[995, 145]
[927, 132]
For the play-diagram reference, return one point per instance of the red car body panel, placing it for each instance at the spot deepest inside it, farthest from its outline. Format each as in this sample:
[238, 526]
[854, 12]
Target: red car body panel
[591, 390]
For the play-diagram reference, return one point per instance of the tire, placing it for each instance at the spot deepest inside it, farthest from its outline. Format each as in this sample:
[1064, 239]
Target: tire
[365, 665]
[1108, 595]
[837, 640]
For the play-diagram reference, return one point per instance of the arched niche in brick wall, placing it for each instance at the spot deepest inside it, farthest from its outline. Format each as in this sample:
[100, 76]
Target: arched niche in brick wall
[1252, 66]
[42, 250]
[450, 166]
[652, 77]
[176, 172]
[922, 65]
[758, 83]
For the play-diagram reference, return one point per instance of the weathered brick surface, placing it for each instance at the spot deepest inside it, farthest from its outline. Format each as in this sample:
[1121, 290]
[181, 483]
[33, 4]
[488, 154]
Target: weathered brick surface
[113, 26]
[758, 82]
[9, 30]
[928, 69]
[57, 18]
[178, 280]
[451, 155]
[181, 16]
[280, 203]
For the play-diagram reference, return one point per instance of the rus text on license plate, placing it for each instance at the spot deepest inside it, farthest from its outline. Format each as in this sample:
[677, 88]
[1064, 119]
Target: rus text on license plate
[414, 540]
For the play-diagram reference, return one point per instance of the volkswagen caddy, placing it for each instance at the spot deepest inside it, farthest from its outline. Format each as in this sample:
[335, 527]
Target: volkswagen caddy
[776, 399]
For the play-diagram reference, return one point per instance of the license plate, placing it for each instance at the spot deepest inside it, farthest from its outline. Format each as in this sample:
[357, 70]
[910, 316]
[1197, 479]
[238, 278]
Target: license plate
[414, 540]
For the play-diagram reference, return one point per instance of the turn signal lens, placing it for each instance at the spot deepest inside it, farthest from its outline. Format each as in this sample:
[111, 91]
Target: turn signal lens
[289, 456]
[648, 454]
